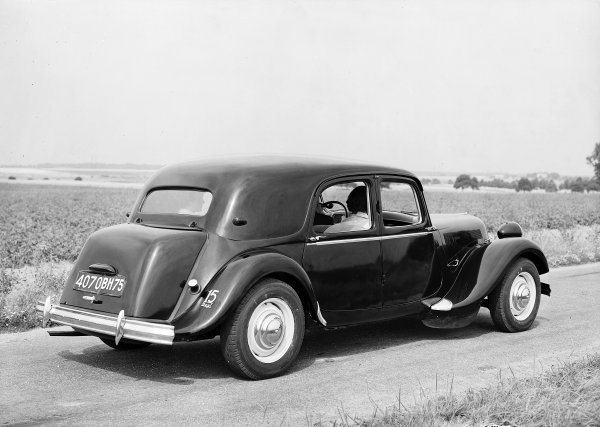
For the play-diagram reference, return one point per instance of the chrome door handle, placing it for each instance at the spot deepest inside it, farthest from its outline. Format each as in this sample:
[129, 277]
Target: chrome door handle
[454, 263]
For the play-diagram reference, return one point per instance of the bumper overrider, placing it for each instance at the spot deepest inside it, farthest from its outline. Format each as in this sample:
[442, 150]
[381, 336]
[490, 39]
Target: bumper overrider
[118, 326]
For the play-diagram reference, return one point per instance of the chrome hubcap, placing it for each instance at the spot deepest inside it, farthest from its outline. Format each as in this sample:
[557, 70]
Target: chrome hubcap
[522, 296]
[271, 330]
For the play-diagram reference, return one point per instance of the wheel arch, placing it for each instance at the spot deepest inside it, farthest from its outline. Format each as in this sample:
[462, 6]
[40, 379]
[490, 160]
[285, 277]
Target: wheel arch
[487, 265]
[538, 259]
[235, 280]
[297, 285]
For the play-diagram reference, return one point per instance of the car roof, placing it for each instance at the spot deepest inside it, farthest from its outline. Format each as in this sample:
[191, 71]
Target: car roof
[266, 167]
[272, 193]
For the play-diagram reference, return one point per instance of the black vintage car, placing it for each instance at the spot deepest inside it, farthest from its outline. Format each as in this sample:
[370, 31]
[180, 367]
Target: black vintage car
[251, 249]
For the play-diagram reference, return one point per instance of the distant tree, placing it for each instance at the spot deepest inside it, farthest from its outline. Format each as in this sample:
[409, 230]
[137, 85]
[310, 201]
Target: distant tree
[578, 186]
[593, 185]
[524, 185]
[78, 178]
[462, 181]
[498, 183]
[550, 186]
[594, 160]
[12, 178]
[435, 181]
[474, 183]
[554, 176]
[426, 181]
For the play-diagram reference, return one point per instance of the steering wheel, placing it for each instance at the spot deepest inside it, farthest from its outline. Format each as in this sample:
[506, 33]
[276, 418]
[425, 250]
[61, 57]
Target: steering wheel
[329, 205]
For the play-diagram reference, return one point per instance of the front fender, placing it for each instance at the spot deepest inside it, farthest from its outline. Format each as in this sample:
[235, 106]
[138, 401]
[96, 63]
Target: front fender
[483, 269]
[234, 281]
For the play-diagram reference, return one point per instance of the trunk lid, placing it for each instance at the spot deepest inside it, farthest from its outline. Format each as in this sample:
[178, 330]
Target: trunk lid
[154, 262]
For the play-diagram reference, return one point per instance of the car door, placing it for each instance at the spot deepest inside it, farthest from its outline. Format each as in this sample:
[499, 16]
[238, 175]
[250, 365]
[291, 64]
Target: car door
[342, 256]
[408, 244]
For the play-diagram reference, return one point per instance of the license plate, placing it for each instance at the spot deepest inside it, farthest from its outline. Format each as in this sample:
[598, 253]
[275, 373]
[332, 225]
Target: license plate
[100, 284]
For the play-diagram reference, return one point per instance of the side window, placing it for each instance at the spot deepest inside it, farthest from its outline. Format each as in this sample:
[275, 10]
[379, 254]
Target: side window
[343, 207]
[399, 204]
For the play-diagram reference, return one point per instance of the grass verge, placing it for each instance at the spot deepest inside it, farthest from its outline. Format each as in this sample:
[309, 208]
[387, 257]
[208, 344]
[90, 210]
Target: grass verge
[568, 394]
[20, 289]
[569, 246]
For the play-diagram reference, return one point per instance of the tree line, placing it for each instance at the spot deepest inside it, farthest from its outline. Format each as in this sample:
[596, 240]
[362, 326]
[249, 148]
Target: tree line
[577, 185]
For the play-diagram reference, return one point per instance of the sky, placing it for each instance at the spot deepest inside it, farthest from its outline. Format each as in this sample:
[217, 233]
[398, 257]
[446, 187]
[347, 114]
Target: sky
[442, 86]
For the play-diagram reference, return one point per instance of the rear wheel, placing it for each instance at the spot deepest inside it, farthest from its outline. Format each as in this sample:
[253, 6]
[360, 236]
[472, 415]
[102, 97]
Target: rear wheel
[263, 336]
[515, 302]
[129, 345]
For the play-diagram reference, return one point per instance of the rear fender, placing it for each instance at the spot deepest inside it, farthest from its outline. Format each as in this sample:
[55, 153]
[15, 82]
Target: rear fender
[225, 292]
[484, 268]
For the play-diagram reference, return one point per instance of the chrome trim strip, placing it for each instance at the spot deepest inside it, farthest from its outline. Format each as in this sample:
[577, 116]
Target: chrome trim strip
[367, 185]
[320, 316]
[335, 242]
[108, 324]
[367, 239]
[393, 236]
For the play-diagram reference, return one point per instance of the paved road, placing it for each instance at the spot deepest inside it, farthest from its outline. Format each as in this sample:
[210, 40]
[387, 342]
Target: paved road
[79, 380]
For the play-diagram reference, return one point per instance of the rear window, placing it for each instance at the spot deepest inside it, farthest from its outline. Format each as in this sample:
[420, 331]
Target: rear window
[177, 201]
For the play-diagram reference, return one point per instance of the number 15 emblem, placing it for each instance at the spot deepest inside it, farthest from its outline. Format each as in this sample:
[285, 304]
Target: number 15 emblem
[210, 298]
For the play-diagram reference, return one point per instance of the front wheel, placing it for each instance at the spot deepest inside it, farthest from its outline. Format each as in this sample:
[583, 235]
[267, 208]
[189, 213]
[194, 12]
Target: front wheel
[515, 302]
[262, 338]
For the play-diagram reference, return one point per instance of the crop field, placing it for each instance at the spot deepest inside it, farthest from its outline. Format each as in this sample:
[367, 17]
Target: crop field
[532, 211]
[51, 223]
[43, 228]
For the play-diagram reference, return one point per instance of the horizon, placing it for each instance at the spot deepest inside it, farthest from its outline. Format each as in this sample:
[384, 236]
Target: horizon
[140, 167]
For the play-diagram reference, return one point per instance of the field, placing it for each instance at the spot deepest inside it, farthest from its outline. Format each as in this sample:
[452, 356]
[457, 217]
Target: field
[43, 227]
[49, 223]
[565, 225]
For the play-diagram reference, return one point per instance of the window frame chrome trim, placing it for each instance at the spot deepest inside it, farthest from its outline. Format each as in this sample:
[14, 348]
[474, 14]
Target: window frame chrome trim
[367, 239]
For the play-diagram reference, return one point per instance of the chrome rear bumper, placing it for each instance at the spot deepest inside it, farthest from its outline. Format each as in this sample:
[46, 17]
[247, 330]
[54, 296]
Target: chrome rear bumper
[108, 324]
